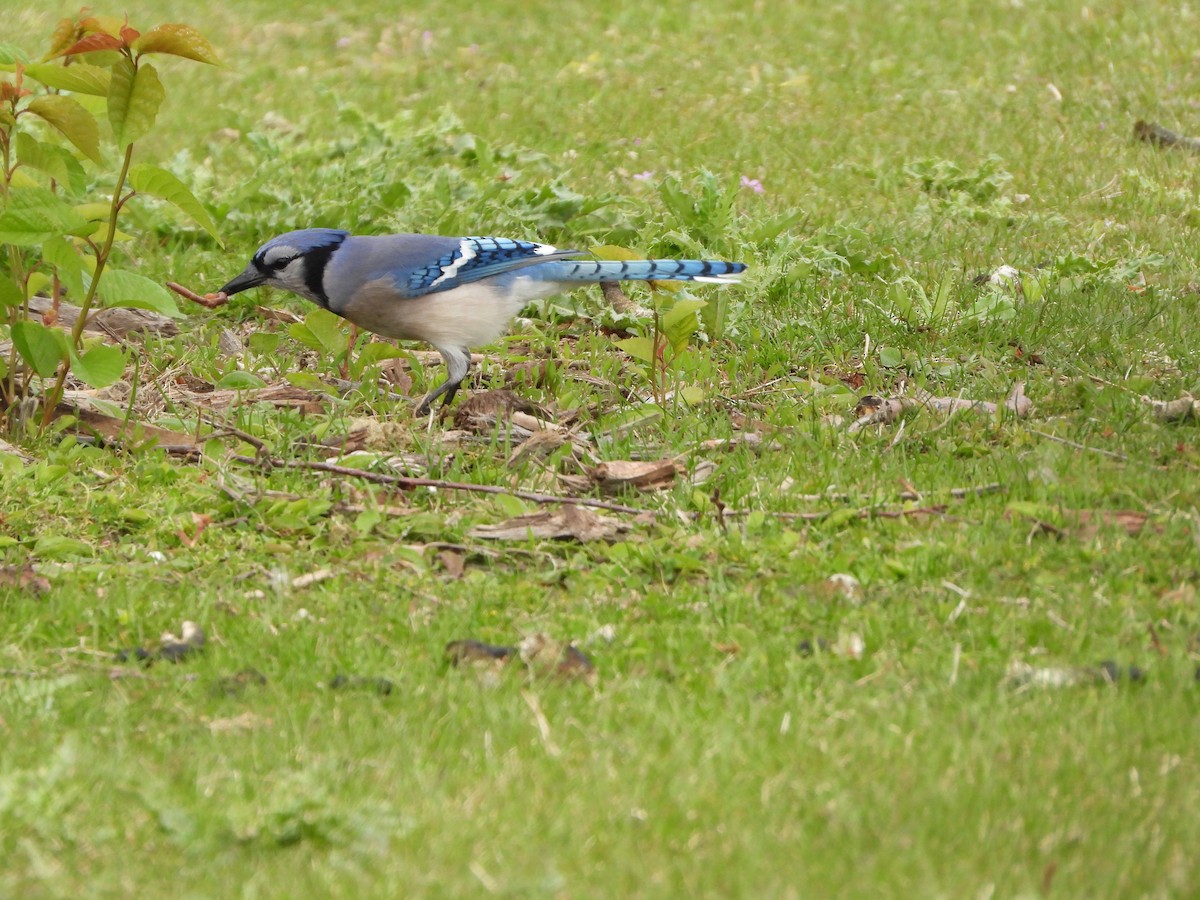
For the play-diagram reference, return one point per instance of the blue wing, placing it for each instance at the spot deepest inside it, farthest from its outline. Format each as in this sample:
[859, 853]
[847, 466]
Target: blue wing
[476, 258]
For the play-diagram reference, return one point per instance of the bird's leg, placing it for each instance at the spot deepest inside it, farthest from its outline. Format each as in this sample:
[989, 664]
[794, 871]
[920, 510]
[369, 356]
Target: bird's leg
[458, 362]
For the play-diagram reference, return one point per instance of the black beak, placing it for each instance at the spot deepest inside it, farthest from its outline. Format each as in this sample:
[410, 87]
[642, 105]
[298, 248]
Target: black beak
[252, 277]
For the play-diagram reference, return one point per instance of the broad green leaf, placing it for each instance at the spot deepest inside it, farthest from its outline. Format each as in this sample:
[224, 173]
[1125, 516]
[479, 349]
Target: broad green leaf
[100, 366]
[693, 395]
[890, 357]
[264, 343]
[133, 100]
[681, 322]
[240, 381]
[162, 184]
[326, 327]
[639, 348]
[301, 332]
[373, 353]
[94, 212]
[41, 347]
[35, 214]
[67, 263]
[56, 162]
[9, 54]
[80, 77]
[308, 381]
[10, 292]
[75, 123]
[683, 312]
[177, 40]
[612, 251]
[54, 546]
[121, 288]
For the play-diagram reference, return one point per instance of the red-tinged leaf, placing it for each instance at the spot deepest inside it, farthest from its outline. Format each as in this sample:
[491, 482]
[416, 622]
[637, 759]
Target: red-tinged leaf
[129, 35]
[66, 33]
[102, 25]
[178, 40]
[92, 43]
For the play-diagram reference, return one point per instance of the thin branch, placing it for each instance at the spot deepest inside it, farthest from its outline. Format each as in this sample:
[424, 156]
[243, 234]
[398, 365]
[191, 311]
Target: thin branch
[409, 482]
[1061, 440]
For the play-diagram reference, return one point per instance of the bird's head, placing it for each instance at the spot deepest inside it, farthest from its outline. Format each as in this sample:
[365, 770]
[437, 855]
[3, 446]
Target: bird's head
[294, 261]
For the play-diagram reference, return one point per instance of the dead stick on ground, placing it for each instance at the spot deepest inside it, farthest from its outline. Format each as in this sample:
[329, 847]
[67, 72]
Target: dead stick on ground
[407, 481]
[867, 513]
[1153, 133]
[1060, 440]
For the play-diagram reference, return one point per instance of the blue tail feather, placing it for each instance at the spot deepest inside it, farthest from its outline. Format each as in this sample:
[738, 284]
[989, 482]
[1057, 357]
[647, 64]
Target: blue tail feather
[593, 271]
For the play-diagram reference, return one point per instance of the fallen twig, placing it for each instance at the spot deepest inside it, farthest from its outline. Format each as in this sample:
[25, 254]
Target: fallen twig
[869, 512]
[409, 482]
[1112, 454]
[884, 411]
[1179, 410]
[1153, 133]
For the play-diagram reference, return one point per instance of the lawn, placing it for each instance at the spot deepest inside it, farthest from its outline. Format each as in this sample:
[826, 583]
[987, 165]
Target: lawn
[832, 654]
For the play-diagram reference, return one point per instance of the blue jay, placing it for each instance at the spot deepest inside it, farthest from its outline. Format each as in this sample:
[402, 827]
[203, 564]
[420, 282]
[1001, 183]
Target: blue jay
[453, 293]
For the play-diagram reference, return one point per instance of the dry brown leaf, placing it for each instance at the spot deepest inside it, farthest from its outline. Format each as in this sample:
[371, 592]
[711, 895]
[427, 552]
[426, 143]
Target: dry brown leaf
[24, 578]
[547, 657]
[453, 562]
[616, 475]
[481, 411]
[566, 522]
[1089, 522]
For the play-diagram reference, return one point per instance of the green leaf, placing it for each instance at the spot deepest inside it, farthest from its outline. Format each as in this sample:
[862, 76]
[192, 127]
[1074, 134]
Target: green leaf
[177, 40]
[53, 546]
[9, 54]
[121, 288]
[59, 253]
[34, 214]
[639, 348]
[240, 381]
[75, 123]
[10, 292]
[264, 343]
[41, 347]
[890, 357]
[100, 366]
[82, 78]
[56, 162]
[308, 381]
[133, 100]
[326, 327]
[162, 184]
[681, 322]
[373, 353]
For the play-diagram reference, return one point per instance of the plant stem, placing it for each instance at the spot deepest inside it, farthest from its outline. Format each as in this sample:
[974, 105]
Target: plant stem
[86, 306]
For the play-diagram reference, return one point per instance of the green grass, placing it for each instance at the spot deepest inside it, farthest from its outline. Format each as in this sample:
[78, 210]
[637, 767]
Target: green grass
[914, 146]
